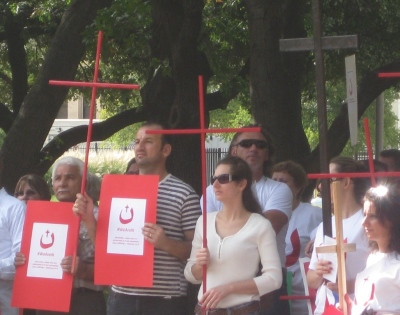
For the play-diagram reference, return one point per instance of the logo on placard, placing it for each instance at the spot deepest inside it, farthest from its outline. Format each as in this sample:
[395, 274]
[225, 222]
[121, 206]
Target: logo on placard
[48, 241]
[126, 219]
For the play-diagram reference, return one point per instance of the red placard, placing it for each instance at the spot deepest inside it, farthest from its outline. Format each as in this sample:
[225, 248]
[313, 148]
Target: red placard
[123, 257]
[50, 233]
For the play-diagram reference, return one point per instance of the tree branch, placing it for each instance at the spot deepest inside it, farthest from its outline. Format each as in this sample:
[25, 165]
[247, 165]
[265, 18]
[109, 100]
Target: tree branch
[101, 131]
[369, 89]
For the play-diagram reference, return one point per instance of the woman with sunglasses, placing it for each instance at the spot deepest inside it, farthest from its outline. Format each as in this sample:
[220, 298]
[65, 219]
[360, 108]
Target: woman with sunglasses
[377, 289]
[352, 191]
[239, 239]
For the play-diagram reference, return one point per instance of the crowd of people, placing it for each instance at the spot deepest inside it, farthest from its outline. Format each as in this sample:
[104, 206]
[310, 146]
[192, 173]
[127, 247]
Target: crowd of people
[258, 226]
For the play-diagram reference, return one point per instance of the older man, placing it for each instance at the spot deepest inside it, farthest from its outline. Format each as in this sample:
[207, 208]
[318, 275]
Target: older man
[12, 215]
[87, 298]
[178, 209]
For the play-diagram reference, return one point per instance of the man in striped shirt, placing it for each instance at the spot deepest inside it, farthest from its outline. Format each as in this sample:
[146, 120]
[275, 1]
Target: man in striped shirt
[178, 209]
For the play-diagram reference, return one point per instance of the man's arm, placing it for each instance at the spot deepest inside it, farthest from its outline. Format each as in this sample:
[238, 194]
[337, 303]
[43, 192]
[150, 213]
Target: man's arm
[15, 219]
[180, 249]
[277, 218]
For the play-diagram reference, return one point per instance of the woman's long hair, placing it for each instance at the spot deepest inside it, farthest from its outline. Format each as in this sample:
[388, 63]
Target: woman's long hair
[37, 183]
[239, 170]
[349, 165]
[386, 200]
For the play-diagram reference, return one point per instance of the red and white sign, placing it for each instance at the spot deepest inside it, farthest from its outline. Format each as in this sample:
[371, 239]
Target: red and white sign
[50, 234]
[123, 257]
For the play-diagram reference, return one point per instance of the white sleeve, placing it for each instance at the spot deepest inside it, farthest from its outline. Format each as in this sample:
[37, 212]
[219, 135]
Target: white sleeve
[280, 199]
[196, 244]
[318, 241]
[271, 277]
[15, 222]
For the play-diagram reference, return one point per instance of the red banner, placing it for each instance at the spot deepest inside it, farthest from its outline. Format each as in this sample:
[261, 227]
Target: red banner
[50, 234]
[123, 257]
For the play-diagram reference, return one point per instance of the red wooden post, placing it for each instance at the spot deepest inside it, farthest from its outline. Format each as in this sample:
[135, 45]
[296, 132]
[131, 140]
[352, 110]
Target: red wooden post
[94, 85]
[203, 131]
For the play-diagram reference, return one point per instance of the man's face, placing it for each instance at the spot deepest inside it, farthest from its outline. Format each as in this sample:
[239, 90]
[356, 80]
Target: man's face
[255, 152]
[149, 150]
[67, 182]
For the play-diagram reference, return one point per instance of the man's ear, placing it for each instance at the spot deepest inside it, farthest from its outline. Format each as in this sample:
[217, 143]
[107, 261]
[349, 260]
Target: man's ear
[347, 181]
[166, 150]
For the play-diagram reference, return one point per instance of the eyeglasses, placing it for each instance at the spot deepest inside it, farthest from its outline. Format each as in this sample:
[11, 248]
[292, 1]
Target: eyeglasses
[28, 193]
[223, 179]
[247, 143]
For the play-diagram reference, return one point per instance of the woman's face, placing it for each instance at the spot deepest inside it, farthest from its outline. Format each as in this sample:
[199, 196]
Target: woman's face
[227, 189]
[284, 177]
[374, 229]
[27, 193]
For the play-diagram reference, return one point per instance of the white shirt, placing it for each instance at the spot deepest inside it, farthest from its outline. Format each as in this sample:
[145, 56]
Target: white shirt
[271, 195]
[304, 221]
[237, 258]
[378, 285]
[353, 232]
[12, 215]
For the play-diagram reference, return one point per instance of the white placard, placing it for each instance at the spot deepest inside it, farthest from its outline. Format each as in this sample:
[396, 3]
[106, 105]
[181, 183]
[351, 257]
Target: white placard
[332, 257]
[47, 249]
[127, 217]
[351, 88]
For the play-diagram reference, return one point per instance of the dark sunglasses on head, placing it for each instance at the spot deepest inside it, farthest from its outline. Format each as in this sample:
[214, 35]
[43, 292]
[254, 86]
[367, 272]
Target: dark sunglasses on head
[247, 143]
[223, 178]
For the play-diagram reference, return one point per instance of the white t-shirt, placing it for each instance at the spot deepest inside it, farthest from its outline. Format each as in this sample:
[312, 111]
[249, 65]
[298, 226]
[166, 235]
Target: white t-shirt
[378, 285]
[353, 232]
[304, 220]
[12, 215]
[271, 195]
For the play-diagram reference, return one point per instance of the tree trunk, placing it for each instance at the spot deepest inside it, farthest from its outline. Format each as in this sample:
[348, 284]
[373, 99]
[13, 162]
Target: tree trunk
[43, 101]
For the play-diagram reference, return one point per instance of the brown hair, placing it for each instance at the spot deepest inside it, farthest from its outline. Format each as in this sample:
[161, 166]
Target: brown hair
[37, 183]
[349, 165]
[239, 169]
[296, 171]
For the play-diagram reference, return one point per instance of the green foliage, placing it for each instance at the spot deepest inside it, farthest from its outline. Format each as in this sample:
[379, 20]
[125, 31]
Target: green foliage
[235, 116]
[123, 137]
[336, 95]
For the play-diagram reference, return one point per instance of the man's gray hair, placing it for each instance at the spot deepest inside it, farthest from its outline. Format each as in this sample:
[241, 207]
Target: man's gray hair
[68, 160]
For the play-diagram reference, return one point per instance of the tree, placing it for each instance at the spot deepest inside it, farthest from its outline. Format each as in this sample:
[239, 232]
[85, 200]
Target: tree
[175, 41]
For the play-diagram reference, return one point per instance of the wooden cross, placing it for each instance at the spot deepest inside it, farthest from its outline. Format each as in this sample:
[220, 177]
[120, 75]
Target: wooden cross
[319, 43]
[94, 85]
[340, 248]
[203, 131]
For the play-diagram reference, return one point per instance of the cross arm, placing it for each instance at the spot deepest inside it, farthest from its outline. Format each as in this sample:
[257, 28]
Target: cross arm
[328, 43]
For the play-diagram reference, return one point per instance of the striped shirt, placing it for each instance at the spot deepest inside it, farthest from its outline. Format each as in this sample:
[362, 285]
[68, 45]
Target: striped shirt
[178, 209]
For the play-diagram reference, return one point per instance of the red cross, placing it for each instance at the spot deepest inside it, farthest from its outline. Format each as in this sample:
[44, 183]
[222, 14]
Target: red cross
[203, 131]
[94, 85]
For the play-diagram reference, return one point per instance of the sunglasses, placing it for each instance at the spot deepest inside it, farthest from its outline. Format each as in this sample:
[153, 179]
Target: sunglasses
[223, 178]
[247, 143]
